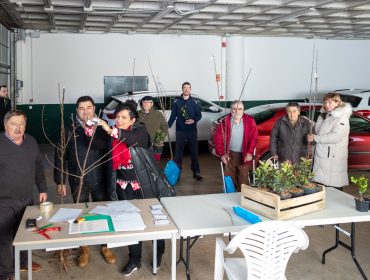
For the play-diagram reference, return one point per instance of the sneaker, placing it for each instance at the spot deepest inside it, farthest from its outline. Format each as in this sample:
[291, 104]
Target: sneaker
[130, 268]
[108, 255]
[35, 267]
[197, 176]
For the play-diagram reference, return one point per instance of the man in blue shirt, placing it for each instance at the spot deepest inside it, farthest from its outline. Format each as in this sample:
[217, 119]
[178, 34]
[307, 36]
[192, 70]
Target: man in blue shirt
[186, 112]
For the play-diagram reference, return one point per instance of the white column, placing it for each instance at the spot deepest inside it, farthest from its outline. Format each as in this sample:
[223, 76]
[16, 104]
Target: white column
[235, 74]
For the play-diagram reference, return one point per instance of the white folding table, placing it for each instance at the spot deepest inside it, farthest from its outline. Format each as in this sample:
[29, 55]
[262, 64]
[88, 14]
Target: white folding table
[198, 215]
[27, 240]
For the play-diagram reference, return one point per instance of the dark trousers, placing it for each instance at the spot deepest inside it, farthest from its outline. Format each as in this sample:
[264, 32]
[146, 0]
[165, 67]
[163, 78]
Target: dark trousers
[98, 192]
[191, 137]
[128, 194]
[135, 250]
[10, 217]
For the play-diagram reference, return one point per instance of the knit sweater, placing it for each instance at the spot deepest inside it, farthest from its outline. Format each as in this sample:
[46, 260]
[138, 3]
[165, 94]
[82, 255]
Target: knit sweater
[21, 168]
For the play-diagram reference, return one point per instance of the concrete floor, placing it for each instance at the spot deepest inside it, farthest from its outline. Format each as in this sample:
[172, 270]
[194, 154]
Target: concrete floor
[303, 265]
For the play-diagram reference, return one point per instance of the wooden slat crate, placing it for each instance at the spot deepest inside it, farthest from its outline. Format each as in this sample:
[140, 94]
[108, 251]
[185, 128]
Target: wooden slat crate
[271, 206]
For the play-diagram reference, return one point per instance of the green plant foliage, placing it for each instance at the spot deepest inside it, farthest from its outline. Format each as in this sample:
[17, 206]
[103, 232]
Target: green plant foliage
[264, 174]
[159, 137]
[302, 172]
[362, 183]
[284, 178]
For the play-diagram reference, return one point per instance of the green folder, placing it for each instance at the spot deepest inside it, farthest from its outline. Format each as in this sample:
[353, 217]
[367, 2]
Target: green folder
[92, 217]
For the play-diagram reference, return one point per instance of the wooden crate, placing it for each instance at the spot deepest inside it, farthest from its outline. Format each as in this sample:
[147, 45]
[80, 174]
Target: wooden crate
[271, 206]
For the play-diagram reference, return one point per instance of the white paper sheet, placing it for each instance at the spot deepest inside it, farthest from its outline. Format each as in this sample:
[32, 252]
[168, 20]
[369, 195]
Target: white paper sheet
[104, 210]
[128, 222]
[124, 206]
[89, 226]
[65, 215]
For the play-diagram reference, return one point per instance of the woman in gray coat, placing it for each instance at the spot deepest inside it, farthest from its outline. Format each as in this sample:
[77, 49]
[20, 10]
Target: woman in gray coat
[331, 138]
[288, 140]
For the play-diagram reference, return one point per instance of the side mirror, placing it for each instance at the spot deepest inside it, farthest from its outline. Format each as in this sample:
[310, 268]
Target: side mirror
[214, 109]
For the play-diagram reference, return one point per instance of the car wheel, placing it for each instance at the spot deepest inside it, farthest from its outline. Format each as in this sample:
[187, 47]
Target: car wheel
[266, 156]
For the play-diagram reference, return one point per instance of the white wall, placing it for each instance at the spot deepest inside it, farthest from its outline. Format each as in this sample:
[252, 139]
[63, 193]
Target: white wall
[281, 67]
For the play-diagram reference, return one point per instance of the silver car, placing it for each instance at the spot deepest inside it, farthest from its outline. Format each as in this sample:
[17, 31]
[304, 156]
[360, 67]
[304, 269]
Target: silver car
[210, 111]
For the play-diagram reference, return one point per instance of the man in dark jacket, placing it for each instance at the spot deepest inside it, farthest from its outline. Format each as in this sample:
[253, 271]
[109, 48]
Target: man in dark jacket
[4, 105]
[187, 113]
[288, 139]
[21, 168]
[78, 148]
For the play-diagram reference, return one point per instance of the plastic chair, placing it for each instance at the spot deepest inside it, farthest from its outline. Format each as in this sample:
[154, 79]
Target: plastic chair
[266, 246]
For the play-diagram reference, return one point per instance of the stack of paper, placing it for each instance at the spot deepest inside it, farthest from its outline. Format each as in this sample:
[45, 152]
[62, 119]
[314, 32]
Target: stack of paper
[115, 208]
[65, 215]
[125, 216]
[159, 217]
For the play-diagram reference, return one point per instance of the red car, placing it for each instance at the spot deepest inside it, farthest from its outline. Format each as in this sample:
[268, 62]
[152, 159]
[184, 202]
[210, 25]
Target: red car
[266, 116]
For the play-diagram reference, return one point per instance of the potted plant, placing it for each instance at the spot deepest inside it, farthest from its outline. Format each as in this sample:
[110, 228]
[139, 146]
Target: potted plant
[362, 183]
[284, 180]
[264, 175]
[158, 139]
[304, 175]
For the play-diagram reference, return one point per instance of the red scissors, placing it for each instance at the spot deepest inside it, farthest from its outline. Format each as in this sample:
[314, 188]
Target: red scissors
[44, 229]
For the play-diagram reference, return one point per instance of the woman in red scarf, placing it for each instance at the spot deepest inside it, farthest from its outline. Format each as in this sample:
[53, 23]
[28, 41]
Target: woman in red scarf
[127, 133]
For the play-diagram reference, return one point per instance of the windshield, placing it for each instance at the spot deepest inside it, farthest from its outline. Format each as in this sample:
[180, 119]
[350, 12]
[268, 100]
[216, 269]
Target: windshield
[112, 105]
[263, 116]
[353, 100]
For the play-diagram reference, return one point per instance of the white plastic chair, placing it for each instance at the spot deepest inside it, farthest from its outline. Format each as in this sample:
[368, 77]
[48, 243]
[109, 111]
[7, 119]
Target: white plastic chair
[266, 246]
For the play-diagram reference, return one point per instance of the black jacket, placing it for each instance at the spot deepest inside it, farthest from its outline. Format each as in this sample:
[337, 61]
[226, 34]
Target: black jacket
[5, 106]
[99, 148]
[150, 176]
[181, 111]
[288, 142]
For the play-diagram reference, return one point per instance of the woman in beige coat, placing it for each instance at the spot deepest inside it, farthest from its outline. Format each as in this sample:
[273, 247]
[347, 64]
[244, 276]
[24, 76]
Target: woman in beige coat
[331, 138]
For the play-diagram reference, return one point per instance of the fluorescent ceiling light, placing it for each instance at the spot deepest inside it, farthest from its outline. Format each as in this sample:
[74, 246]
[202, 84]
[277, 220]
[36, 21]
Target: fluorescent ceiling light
[293, 15]
[163, 13]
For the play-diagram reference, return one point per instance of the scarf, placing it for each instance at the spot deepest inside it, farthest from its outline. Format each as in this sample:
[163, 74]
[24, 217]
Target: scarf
[120, 154]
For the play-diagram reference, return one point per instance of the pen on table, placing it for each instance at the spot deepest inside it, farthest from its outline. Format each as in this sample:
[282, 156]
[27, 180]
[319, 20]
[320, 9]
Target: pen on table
[79, 220]
[44, 227]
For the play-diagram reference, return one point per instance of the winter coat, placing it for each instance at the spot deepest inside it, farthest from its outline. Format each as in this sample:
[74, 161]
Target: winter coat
[288, 142]
[150, 176]
[98, 149]
[331, 152]
[154, 120]
[223, 132]
[181, 111]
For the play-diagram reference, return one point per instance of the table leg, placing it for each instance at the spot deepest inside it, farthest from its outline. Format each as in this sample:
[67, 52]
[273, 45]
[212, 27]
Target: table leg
[154, 257]
[187, 264]
[29, 264]
[17, 263]
[351, 248]
[186, 260]
[173, 257]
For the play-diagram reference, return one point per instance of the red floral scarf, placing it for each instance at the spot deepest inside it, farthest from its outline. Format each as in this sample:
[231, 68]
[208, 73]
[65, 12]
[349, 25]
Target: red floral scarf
[120, 154]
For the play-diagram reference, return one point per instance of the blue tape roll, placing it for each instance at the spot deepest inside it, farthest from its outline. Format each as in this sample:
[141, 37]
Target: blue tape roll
[246, 215]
